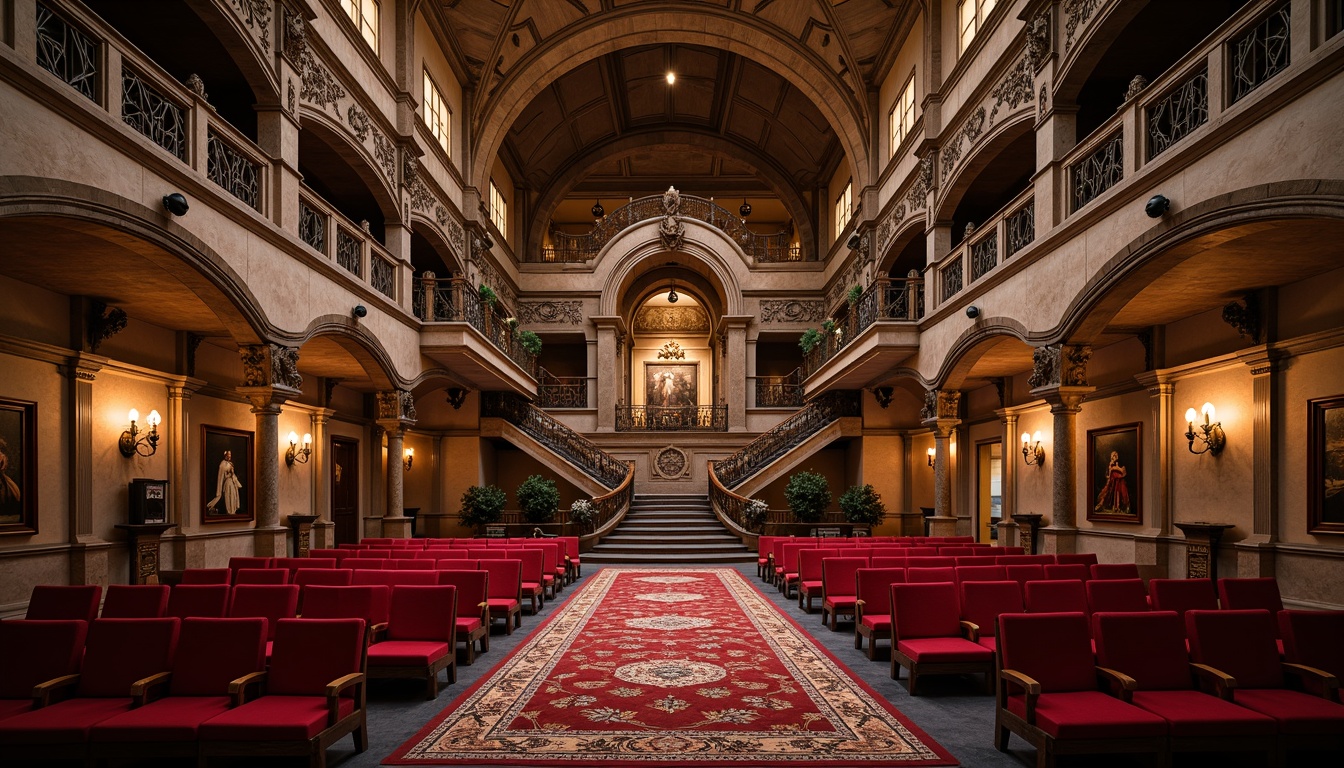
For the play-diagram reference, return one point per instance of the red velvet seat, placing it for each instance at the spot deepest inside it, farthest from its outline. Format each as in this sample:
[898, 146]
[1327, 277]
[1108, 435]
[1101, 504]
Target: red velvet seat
[1074, 571]
[872, 608]
[763, 550]
[1088, 559]
[1250, 594]
[419, 638]
[118, 653]
[294, 564]
[333, 554]
[365, 563]
[809, 574]
[981, 604]
[572, 558]
[1149, 649]
[369, 602]
[1047, 693]
[423, 577]
[271, 602]
[448, 554]
[1315, 639]
[534, 586]
[423, 563]
[925, 575]
[1063, 596]
[837, 586]
[887, 561]
[33, 652]
[786, 568]
[329, 577]
[1025, 572]
[1114, 595]
[1181, 595]
[314, 696]
[976, 560]
[473, 612]
[552, 570]
[927, 635]
[1114, 571]
[214, 659]
[203, 600]
[135, 601]
[206, 576]
[981, 573]
[1041, 560]
[236, 563]
[505, 596]
[52, 602]
[1006, 551]
[930, 561]
[265, 576]
[1241, 644]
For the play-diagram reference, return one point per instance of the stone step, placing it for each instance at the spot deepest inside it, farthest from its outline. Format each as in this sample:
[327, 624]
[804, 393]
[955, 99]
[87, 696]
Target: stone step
[700, 538]
[670, 529]
[669, 507]
[678, 546]
[668, 559]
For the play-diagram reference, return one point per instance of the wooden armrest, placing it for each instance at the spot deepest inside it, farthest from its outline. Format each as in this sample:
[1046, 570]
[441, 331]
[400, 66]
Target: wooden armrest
[141, 689]
[1032, 688]
[334, 689]
[1329, 682]
[377, 633]
[1126, 684]
[971, 630]
[238, 688]
[43, 692]
[1223, 683]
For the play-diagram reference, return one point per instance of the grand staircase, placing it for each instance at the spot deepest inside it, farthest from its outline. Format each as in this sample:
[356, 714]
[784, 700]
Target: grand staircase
[669, 530]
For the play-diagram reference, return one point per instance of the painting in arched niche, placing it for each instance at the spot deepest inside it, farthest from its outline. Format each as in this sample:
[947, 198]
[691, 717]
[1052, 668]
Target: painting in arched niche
[672, 356]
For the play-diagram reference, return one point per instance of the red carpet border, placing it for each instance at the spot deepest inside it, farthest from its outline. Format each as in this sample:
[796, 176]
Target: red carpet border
[670, 667]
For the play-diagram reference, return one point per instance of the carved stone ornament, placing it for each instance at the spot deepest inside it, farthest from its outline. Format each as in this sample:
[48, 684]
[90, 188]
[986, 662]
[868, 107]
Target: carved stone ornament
[296, 42]
[396, 404]
[270, 365]
[1136, 86]
[1244, 318]
[930, 408]
[1059, 365]
[291, 97]
[671, 202]
[1077, 13]
[671, 351]
[1073, 361]
[1044, 367]
[975, 124]
[671, 463]
[791, 311]
[1038, 39]
[941, 404]
[919, 191]
[104, 323]
[671, 320]
[883, 395]
[196, 85]
[550, 312]
[1043, 102]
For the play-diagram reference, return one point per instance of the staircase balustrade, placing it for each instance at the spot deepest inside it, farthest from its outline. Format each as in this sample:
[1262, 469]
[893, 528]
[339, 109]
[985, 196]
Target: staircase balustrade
[671, 418]
[788, 434]
[562, 391]
[565, 442]
[780, 391]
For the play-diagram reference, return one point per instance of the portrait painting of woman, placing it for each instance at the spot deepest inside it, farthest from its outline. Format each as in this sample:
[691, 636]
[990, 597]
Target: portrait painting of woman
[226, 468]
[18, 467]
[1113, 487]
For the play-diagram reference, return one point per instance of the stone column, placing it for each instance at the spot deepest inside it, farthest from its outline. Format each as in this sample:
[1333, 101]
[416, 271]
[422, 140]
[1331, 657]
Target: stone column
[1008, 417]
[941, 414]
[1150, 549]
[396, 413]
[88, 551]
[317, 464]
[735, 369]
[375, 492]
[1060, 378]
[1255, 553]
[610, 358]
[963, 481]
[270, 377]
[177, 441]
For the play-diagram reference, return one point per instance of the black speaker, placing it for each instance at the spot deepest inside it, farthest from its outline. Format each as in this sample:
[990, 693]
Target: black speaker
[148, 501]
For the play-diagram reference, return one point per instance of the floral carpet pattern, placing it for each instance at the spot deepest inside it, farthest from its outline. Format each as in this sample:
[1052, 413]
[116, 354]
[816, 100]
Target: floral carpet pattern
[670, 667]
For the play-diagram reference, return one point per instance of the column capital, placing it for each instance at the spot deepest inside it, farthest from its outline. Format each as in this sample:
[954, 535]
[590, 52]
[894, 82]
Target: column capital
[614, 323]
[271, 365]
[1059, 365]
[1262, 360]
[83, 366]
[184, 387]
[1007, 416]
[1064, 399]
[942, 428]
[941, 405]
[396, 406]
[265, 399]
[736, 322]
[1157, 382]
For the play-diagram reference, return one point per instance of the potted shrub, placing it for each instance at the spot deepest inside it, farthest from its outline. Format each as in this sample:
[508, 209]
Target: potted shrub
[481, 505]
[539, 499]
[753, 517]
[862, 505]
[529, 341]
[808, 495]
[854, 295]
[488, 296]
[809, 340]
[582, 513]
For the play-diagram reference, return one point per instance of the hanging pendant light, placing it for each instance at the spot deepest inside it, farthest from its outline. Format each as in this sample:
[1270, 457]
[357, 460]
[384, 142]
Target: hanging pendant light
[745, 210]
[672, 293]
[597, 210]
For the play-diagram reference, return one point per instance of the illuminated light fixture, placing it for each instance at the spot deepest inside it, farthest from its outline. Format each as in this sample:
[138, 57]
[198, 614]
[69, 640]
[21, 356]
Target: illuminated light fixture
[1032, 451]
[672, 294]
[671, 78]
[597, 210]
[745, 210]
[1210, 433]
[295, 454]
[131, 444]
[932, 452]
[408, 458]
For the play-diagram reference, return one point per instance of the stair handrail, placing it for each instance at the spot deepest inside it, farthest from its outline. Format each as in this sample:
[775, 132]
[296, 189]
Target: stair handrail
[731, 509]
[788, 434]
[610, 508]
[606, 469]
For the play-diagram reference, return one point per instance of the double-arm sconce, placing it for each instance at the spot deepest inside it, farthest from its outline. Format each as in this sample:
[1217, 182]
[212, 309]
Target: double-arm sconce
[932, 452]
[295, 454]
[131, 444]
[1033, 453]
[408, 458]
[1210, 433]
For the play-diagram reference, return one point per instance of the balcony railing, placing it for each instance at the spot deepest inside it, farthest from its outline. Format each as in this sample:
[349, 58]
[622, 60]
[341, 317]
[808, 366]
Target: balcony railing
[886, 299]
[562, 391]
[771, 248]
[788, 434]
[671, 418]
[1008, 231]
[453, 300]
[565, 442]
[780, 391]
[351, 248]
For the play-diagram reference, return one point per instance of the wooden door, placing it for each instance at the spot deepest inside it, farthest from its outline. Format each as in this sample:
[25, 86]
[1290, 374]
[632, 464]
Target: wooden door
[345, 489]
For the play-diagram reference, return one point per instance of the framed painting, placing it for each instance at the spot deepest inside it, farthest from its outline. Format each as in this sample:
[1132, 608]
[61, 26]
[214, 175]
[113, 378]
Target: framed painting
[1115, 474]
[18, 467]
[1325, 465]
[671, 385]
[226, 475]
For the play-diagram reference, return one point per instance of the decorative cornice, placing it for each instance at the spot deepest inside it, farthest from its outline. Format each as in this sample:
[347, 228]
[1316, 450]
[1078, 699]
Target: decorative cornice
[792, 310]
[550, 312]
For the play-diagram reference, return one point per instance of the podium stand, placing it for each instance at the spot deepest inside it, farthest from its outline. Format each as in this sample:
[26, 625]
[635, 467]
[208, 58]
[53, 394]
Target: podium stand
[1027, 526]
[1201, 549]
[302, 525]
[142, 541]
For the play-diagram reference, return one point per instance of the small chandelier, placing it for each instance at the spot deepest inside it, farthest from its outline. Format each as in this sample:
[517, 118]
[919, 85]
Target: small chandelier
[597, 210]
[745, 210]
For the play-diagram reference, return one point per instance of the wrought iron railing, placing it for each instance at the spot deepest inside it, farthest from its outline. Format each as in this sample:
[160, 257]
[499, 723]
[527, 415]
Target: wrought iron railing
[232, 170]
[951, 279]
[1020, 228]
[780, 391]
[671, 418]
[731, 506]
[66, 52]
[312, 227]
[1098, 171]
[885, 299]
[562, 391]
[453, 300]
[157, 117]
[772, 248]
[349, 253]
[984, 255]
[1262, 52]
[610, 506]
[1178, 113]
[560, 439]
[382, 276]
[788, 434]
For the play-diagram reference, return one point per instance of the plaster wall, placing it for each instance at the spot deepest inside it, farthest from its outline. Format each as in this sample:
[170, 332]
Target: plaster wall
[432, 59]
[909, 62]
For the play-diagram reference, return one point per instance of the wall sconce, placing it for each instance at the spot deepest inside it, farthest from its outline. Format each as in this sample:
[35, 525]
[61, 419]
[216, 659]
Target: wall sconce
[144, 446]
[295, 454]
[456, 397]
[1210, 433]
[932, 452]
[408, 458]
[1033, 453]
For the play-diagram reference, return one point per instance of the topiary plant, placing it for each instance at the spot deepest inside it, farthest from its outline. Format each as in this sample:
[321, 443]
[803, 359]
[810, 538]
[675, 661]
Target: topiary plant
[808, 495]
[809, 340]
[862, 505]
[529, 341]
[539, 499]
[481, 505]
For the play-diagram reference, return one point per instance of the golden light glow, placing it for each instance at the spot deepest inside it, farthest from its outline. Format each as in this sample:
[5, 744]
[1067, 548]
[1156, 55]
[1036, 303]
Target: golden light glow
[671, 78]
[1190, 415]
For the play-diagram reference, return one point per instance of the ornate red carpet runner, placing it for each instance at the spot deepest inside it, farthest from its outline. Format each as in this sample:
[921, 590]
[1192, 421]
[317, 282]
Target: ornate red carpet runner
[670, 667]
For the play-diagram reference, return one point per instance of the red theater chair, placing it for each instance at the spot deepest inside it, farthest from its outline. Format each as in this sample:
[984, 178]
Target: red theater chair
[809, 574]
[392, 578]
[1088, 559]
[1073, 571]
[872, 608]
[982, 602]
[366, 563]
[1314, 639]
[58, 602]
[534, 586]
[981, 573]
[271, 602]
[1047, 693]
[505, 595]
[1114, 571]
[294, 564]
[327, 577]
[135, 601]
[1181, 595]
[199, 600]
[264, 576]
[473, 610]
[314, 696]
[235, 563]
[367, 602]
[1116, 595]
[34, 652]
[1024, 573]
[1250, 594]
[1062, 596]
[838, 585]
[206, 576]
[927, 635]
[920, 575]
[419, 638]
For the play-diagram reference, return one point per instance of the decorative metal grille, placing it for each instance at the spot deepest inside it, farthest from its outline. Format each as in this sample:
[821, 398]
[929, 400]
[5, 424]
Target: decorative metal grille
[312, 227]
[780, 391]
[1261, 53]
[454, 301]
[984, 256]
[770, 445]
[348, 252]
[1020, 228]
[579, 450]
[919, 301]
[1181, 111]
[152, 114]
[232, 170]
[952, 279]
[67, 53]
[662, 418]
[1099, 171]
[381, 277]
[562, 391]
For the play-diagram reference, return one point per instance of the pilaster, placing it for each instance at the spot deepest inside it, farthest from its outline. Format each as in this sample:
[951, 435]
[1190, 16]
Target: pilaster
[735, 326]
[1008, 505]
[1255, 553]
[941, 414]
[1059, 376]
[610, 381]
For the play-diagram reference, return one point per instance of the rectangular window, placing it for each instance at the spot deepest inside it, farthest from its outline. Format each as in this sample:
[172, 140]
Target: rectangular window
[971, 15]
[437, 114]
[902, 115]
[364, 15]
[499, 210]
[844, 208]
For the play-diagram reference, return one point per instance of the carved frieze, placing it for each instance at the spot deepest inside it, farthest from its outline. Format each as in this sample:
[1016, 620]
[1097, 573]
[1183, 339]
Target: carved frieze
[671, 351]
[671, 320]
[1038, 39]
[671, 463]
[396, 404]
[550, 312]
[270, 365]
[919, 192]
[256, 16]
[1059, 365]
[1076, 15]
[940, 404]
[1015, 89]
[296, 37]
[791, 311]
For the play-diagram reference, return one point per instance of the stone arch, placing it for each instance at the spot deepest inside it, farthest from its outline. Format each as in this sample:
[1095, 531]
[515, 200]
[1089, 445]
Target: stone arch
[905, 232]
[362, 345]
[228, 27]
[980, 156]
[647, 25]
[702, 252]
[334, 135]
[429, 229]
[972, 345]
[1088, 49]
